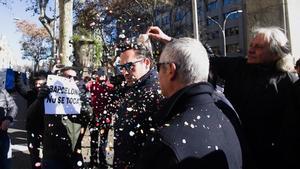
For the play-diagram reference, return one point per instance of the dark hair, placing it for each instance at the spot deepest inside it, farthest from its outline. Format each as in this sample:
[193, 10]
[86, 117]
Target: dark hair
[131, 43]
[40, 75]
[68, 68]
[298, 63]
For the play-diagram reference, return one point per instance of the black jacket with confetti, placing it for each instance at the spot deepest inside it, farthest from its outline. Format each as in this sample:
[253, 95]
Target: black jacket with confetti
[193, 133]
[135, 110]
[63, 133]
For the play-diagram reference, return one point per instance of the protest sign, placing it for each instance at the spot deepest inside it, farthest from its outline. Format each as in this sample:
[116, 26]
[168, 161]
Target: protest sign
[64, 97]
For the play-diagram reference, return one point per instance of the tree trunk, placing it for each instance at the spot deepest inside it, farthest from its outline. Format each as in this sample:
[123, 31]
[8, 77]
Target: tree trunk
[65, 31]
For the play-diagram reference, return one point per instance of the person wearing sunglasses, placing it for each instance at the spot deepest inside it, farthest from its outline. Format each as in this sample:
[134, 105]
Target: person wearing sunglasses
[63, 134]
[135, 105]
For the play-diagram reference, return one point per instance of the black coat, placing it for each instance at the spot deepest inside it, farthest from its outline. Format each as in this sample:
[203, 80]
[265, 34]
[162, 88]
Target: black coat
[134, 119]
[290, 136]
[35, 116]
[62, 136]
[260, 94]
[193, 133]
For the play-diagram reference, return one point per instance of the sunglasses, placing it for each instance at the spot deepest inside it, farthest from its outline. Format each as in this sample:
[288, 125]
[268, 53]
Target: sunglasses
[128, 66]
[71, 77]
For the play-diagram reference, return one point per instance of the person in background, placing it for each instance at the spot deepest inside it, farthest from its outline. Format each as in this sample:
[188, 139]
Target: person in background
[297, 67]
[290, 135]
[100, 89]
[63, 134]
[259, 87]
[35, 119]
[8, 111]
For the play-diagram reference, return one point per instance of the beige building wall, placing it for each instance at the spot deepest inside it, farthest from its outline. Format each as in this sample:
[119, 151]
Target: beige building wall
[293, 7]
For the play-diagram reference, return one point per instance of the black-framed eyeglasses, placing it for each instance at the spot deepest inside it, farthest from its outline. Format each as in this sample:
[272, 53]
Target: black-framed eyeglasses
[163, 63]
[128, 66]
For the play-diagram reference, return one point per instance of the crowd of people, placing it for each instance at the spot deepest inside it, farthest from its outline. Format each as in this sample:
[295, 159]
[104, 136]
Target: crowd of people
[168, 113]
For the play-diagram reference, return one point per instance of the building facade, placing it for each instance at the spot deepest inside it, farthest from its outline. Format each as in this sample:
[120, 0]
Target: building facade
[177, 21]
[218, 17]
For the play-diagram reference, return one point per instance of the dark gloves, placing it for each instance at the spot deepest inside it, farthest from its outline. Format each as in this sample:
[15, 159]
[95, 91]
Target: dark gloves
[43, 92]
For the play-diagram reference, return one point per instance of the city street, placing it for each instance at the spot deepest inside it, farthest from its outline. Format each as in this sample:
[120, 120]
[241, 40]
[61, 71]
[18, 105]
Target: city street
[17, 132]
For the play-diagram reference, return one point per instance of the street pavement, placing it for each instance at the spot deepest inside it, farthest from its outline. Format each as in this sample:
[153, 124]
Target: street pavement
[17, 132]
[20, 155]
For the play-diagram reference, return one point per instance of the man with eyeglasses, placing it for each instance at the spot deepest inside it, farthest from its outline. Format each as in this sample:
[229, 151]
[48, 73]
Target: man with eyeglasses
[193, 132]
[63, 133]
[136, 104]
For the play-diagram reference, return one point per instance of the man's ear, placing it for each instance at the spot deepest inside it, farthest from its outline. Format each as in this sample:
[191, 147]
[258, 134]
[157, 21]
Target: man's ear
[147, 62]
[172, 71]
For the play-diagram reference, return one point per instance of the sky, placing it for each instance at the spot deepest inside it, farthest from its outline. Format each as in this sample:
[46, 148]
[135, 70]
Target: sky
[8, 26]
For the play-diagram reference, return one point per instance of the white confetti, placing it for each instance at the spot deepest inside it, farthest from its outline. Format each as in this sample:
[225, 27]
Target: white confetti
[79, 163]
[167, 124]
[131, 133]
[216, 147]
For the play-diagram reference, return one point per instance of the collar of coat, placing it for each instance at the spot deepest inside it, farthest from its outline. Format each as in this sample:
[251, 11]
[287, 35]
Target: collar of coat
[150, 78]
[178, 99]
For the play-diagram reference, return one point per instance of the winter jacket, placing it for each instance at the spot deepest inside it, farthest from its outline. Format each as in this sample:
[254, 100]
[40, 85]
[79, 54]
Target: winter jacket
[62, 133]
[290, 142]
[35, 116]
[193, 133]
[260, 94]
[134, 119]
[100, 93]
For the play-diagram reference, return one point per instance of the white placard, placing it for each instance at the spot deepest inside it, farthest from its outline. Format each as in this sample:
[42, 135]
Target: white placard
[64, 97]
[2, 78]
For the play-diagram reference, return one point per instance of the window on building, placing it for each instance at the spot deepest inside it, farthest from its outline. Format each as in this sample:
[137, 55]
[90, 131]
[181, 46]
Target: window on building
[199, 10]
[232, 31]
[213, 35]
[228, 2]
[165, 20]
[179, 16]
[233, 48]
[157, 22]
[211, 6]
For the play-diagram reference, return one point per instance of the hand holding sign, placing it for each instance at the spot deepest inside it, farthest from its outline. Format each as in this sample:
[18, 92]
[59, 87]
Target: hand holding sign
[43, 92]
